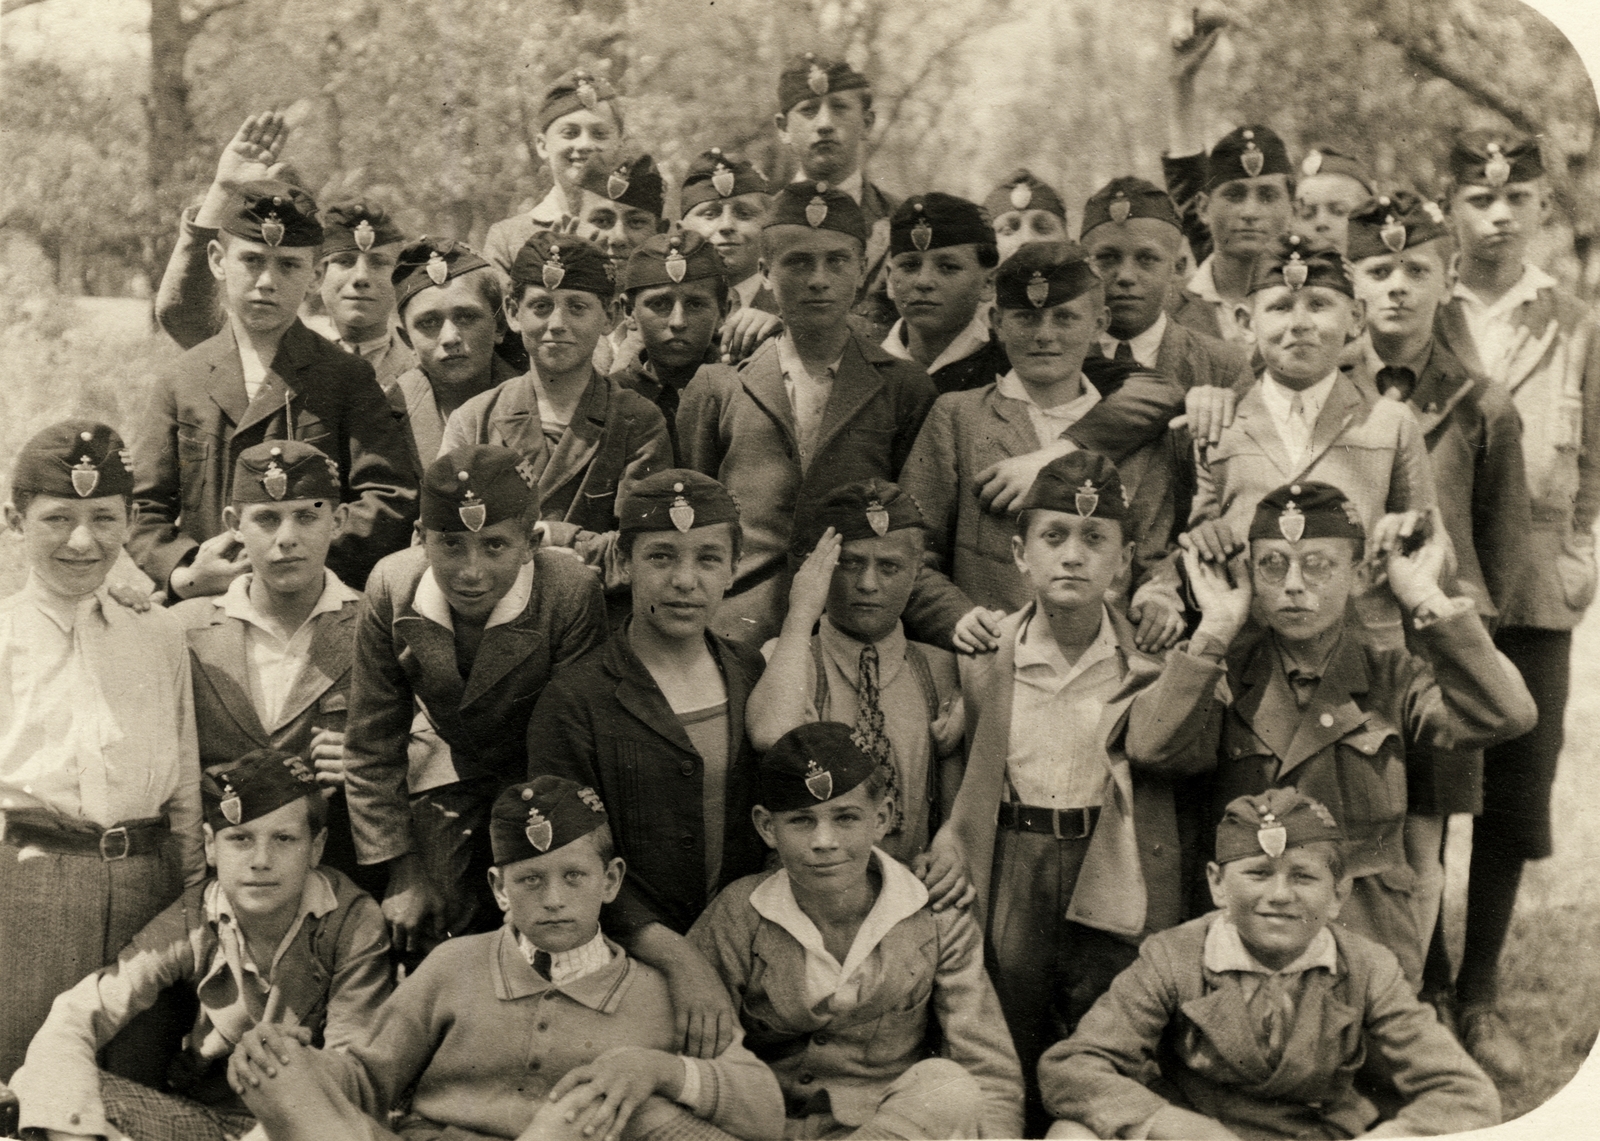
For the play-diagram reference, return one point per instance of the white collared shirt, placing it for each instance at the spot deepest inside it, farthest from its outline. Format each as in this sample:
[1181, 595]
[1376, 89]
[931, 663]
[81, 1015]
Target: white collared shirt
[828, 980]
[1280, 398]
[1490, 322]
[968, 341]
[431, 603]
[250, 362]
[317, 898]
[808, 395]
[1204, 286]
[1049, 424]
[1146, 346]
[853, 184]
[571, 965]
[1225, 951]
[274, 664]
[1058, 755]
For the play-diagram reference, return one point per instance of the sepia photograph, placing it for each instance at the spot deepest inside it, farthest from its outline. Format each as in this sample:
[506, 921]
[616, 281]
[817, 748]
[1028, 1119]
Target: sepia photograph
[686, 570]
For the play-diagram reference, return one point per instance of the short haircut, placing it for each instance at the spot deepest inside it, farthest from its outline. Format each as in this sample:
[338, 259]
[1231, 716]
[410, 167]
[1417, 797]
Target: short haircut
[490, 291]
[626, 540]
[21, 499]
[316, 811]
[604, 843]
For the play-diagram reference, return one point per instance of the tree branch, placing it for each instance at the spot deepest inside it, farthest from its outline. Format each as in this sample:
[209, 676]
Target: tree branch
[9, 6]
[1419, 55]
[200, 17]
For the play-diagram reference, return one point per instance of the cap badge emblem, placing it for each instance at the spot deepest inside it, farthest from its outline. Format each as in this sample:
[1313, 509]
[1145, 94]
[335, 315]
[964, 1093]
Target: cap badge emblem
[553, 270]
[1393, 234]
[1086, 500]
[819, 781]
[1272, 836]
[1120, 208]
[682, 511]
[438, 269]
[1252, 159]
[232, 807]
[540, 832]
[722, 179]
[1295, 271]
[525, 471]
[922, 232]
[617, 183]
[817, 79]
[675, 263]
[1038, 290]
[272, 229]
[276, 480]
[592, 798]
[817, 208]
[1311, 163]
[878, 518]
[1021, 195]
[586, 93]
[1291, 522]
[1435, 215]
[1497, 171]
[85, 478]
[364, 235]
[474, 512]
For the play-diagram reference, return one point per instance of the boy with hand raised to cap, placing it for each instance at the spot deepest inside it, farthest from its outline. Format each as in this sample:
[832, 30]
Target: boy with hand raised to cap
[269, 938]
[726, 200]
[580, 437]
[811, 409]
[1025, 209]
[99, 778]
[1255, 1021]
[271, 657]
[544, 1029]
[470, 625]
[1086, 859]
[1317, 703]
[844, 656]
[655, 720]
[1050, 307]
[1510, 321]
[842, 971]
[264, 376]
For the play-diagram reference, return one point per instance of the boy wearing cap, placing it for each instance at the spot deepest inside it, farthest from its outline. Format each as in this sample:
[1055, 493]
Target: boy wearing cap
[264, 376]
[844, 656]
[814, 408]
[269, 937]
[99, 780]
[1332, 186]
[1319, 704]
[271, 656]
[1254, 1021]
[541, 1029]
[841, 970]
[469, 626]
[580, 436]
[1025, 209]
[725, 200]
[1086, 859]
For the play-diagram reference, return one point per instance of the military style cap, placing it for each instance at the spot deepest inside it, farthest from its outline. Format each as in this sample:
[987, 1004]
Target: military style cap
[1042, 274]
[1392, 223]
[74, 459]
[1246, 152]
[868, 509]
[820, 206]
[1300, 261]
[578, 89]
[275, 470]
[476, 486]
[1307, 510]
[810, 764]
[274, 213]
[672, 259]
[1022, 191]
[811, 75]
[636, 183]
[675, 500]
[563, 261]
[933, 221]
[357, 225]
[427, 262]
[541, 815]
[1081, 483]
[1326, 160]
[1272, 823]
[1124, 198]
[713, 175]
[1494, 158]
[261, 781]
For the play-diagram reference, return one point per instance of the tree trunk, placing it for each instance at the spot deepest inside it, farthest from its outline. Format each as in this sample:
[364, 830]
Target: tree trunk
[170, 144]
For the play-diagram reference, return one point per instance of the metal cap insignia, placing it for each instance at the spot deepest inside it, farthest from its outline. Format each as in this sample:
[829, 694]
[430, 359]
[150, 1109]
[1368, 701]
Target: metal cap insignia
[617, 183]
[272, 228]
[364, 235]
[1086, 499]
[722, 179]
[587, 95]
[553, 270]
[540, 833]
[816, 78]
[1251, 158]
[1497, 171]
[592, 798]
[85, 477]
[675, 263]
[1311, 163]
[1272, 836]
[474, 512]
[682, 511]
[1295, 271]
[232, 807]
[1120, 208]
[922, 233]
[819, 781]
[1393, 234]
[817, 208]
[276, 480]
[1021, 195]
[878, 518]
[1291, 523]
[438, 269]
[1038, 290]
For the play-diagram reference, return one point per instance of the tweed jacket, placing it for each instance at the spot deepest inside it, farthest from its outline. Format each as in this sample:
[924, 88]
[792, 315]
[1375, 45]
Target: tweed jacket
[1553, 375]
[1193, 357]
[736, 425]
[925, 973]
[605, 723]
[199, 419]
[405, 657]
[414, 402]
[332, 976]
[1171, 1032]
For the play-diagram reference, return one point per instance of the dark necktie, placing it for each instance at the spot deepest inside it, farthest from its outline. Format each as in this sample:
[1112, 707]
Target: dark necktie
[1304, 685]
[1272, 1008]
[1124, 352]
[541, 963]
[1399, 380]
[870, 731]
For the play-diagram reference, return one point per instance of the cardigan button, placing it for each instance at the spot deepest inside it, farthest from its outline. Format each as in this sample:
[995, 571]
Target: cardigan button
[686, 842]
[806, 1079]
[819, 1039]
[686, 768]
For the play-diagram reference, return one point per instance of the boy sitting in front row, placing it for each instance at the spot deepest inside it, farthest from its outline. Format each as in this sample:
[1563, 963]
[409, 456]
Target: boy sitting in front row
[539, 1030]
[269, 934]
[1255, 1020]
[839, 966]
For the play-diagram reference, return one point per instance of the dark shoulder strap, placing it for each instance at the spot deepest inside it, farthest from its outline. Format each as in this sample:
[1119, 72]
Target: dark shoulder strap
[924, 675]
[820, 698]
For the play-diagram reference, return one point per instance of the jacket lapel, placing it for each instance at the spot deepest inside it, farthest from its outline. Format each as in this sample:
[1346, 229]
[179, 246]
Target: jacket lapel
[1265, 701]
[1439, 389]
[225, 384]
[1451, 326]
[220, 654]
[1332, 712]
[434, 649]
[1017, 437]
[855, 385]
[515, 424]
[580, 440]
[1343, 402]
[1321, 1019]
[503, 648]
[1256, 421]
[1220, 1015]
[332, 650]
[638, 693]
[278, 389]
[763, 380]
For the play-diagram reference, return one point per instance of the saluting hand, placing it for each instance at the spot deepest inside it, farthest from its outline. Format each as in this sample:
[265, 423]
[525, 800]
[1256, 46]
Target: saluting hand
[808, 594]
[253, 151]
[1223, 592]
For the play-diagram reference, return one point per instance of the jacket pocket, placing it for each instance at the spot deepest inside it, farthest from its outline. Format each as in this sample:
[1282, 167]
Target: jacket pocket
[1576, 567]
[194, 452]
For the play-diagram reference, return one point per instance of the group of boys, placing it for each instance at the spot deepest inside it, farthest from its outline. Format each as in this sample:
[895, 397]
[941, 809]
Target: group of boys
[823, 665]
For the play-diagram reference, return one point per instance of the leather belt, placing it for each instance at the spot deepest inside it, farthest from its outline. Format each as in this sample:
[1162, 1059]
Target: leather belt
[53, 833]
[1062, 823]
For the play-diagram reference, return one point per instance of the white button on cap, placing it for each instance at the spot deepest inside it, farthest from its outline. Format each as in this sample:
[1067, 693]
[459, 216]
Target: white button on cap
[1326, 719]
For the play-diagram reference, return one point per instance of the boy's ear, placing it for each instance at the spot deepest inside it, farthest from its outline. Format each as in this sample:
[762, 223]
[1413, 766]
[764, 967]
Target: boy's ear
[13, 517]
[1214, 882]
[763, 822]
[209, 838]
[214, 255]
[318, 842]
[497, 885]
[318, 273]
[230, 518]
[1202, 207]
[1018, 546]
[616, 871]
[405, 335]
[1358, 319]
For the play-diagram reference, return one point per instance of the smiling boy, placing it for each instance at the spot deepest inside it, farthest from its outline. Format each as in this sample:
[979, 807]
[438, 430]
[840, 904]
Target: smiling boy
[725, 200]
[1253, 1021]
[1025, 209]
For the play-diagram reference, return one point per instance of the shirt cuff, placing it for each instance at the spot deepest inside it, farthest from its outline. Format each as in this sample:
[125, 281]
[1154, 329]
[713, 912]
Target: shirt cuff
[689, 1096]
[1439, 608]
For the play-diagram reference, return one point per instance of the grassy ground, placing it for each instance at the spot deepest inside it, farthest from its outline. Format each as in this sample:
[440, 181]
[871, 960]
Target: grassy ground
[97, 358]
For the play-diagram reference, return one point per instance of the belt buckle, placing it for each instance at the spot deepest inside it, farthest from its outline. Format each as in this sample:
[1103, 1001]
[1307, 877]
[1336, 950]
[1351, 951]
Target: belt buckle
[1083, 821]
[119, 830]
